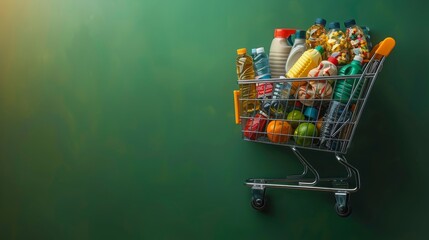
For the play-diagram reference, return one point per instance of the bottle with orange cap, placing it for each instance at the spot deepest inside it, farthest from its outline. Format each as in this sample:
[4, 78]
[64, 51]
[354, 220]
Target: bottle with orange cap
[245, 71]
[279, 51]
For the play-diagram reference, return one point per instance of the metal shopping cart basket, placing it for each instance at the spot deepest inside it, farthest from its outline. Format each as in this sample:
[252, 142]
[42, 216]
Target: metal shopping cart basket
[305, 118]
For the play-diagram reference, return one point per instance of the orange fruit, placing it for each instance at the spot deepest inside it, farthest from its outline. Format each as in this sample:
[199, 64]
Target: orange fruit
[277, 127]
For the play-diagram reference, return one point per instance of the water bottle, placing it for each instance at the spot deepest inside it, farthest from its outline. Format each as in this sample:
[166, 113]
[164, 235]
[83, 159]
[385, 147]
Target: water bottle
[280, 98]
[262, 66]
[332, 117]
[244, 67]
[262, 69]
[357, 40]
[253, 54]
[337, 43]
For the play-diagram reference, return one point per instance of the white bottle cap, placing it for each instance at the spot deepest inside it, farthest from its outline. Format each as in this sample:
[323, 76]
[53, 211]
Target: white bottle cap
[358, 58]
[260, 50]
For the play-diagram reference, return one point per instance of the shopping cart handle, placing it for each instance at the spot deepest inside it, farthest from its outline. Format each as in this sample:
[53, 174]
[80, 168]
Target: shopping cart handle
[237, 106]
[384, 47]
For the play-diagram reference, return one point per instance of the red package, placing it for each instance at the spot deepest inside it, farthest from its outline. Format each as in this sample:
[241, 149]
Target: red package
[255, 126]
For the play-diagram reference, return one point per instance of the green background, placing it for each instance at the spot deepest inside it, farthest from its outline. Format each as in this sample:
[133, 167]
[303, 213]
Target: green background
[117, 122]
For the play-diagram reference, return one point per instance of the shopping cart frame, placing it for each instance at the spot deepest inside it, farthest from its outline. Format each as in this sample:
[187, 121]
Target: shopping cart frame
[340, 185]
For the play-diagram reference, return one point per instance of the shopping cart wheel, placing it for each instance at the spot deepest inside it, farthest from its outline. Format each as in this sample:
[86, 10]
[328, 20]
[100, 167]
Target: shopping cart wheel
[343, 211]
[258, 203]
[258, 200]
[342, 205]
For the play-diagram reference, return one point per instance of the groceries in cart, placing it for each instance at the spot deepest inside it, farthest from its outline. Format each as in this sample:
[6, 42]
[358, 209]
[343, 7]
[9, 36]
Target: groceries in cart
[297, 94]
[313, 100]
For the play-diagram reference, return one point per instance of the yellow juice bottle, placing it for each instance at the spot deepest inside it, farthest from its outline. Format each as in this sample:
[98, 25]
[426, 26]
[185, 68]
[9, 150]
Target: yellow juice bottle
[245, 71]
[309, 60]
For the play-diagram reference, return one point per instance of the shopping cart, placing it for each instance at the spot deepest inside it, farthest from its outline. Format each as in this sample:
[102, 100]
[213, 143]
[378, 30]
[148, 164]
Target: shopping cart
[328, 126]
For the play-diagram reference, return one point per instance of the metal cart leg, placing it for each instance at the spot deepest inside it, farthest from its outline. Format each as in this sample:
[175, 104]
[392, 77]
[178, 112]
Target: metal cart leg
[307, 165]
[351, 170]
[340, 186]
[342, 198]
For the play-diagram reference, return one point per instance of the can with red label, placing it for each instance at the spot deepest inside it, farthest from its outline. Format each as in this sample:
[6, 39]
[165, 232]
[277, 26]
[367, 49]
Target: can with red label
[255, 126]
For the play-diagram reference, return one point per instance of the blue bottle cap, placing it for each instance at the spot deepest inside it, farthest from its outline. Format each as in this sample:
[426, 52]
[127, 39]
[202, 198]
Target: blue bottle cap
[320, 21]
[334, 25]
[311, 113]
[300, 34]
[349, 23]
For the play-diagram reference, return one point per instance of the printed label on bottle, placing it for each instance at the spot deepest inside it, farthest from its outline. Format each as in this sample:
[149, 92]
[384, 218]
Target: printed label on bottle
[264, 89]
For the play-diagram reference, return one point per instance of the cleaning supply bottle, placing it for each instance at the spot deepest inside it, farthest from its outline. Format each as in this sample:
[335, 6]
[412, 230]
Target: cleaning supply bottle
[279, 51]
[309, 60]
[298, 49]
[244, 66]
[316, 34]
[343, 88]
[337, 43]
[356, 39]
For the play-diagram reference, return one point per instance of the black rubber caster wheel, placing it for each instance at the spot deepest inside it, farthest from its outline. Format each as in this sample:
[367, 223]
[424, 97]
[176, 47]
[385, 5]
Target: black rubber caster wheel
[258, 203]
[343, 211]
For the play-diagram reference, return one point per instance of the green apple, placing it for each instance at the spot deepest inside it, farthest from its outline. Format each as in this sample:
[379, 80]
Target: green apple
[294, 117]
[304, 132]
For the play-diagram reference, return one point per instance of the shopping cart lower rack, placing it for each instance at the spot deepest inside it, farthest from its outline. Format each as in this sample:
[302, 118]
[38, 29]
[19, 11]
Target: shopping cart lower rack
[308, 117]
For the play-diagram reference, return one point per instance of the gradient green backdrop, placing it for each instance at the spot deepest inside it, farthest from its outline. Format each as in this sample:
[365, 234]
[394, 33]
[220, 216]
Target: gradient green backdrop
[116, 122]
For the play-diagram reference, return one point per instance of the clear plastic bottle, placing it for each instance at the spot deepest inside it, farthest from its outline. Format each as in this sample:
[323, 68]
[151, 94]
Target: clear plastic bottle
[262, 69]
[316, 34]
[298, 48]
[281, 93]
[337, 43]
[279, 51]
[253, 54]
[262, 66]
[333, 116]
[356, 39]
[244, 67]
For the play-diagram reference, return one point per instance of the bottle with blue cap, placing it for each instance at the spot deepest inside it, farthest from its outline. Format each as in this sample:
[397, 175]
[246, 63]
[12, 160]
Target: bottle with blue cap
[262, 68]
[337, 44]
[356, 39]
[262, 65]
[316, 34]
